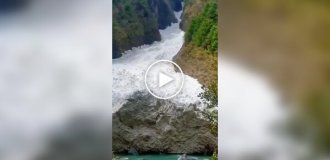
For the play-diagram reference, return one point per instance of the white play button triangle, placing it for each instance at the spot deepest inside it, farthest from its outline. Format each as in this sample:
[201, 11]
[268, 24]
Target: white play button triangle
[163, 79]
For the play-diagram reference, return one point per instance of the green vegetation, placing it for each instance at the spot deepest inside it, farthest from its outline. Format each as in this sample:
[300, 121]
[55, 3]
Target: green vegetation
[137, 22]
[203, 30]
[202, 38]
[295, 31]
[114, 157]
[134, 24]
[214, 156]
[210, 98]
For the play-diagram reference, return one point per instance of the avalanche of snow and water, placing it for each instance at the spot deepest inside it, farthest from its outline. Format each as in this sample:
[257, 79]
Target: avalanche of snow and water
[129, 70]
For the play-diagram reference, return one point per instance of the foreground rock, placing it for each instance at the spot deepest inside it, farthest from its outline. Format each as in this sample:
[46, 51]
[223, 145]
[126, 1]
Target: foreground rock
[149, 125]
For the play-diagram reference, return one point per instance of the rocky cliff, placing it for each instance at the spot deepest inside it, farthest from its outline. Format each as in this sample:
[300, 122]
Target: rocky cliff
[176, 5]
[191, 9]
[145, 124]
[198, 57]
[138, 22]
[149, 125]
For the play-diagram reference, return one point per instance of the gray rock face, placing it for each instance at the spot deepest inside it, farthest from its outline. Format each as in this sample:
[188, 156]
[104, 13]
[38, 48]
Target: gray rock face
[150, 125]
[190, 10]
[177, 5]
[165, 13]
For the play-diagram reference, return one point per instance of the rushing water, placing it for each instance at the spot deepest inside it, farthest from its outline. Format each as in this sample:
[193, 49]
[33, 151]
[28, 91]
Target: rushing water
[249, 108]
[252, 117]
[129, 70]
[52, 67]
[50, 72]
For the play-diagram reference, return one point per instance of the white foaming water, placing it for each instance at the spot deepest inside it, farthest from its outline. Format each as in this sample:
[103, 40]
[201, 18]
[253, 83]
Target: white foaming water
[250, 115]
[129, 70]
[52, 66]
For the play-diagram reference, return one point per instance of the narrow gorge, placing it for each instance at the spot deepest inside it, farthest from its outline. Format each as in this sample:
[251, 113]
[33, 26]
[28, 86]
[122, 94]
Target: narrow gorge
[142, 123]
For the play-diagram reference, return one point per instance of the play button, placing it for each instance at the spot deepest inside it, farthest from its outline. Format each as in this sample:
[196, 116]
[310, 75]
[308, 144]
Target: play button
[164, 79]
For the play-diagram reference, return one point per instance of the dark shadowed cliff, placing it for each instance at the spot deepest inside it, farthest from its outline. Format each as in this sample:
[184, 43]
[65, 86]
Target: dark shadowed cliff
[138, 22]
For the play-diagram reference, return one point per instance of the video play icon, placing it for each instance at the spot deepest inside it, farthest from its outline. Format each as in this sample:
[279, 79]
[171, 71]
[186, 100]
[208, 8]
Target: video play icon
[164, 79]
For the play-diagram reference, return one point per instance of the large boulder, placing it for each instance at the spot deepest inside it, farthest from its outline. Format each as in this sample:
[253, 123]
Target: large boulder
[150, 125]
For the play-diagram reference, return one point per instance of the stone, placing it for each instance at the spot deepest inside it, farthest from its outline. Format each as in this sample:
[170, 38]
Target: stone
[150, 125]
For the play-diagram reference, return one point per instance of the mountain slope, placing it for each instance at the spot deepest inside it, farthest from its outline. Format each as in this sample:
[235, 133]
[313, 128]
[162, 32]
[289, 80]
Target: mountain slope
[199, 55]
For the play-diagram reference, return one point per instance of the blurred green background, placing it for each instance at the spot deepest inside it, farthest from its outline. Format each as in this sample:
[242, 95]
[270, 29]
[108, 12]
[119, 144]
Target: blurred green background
[289, 41]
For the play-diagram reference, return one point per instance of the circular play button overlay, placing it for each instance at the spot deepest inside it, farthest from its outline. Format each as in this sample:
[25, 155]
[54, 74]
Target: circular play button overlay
[164, 79]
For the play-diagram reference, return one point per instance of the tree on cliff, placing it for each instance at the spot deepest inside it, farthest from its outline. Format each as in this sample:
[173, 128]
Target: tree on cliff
[203, 30]
[210, 98]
